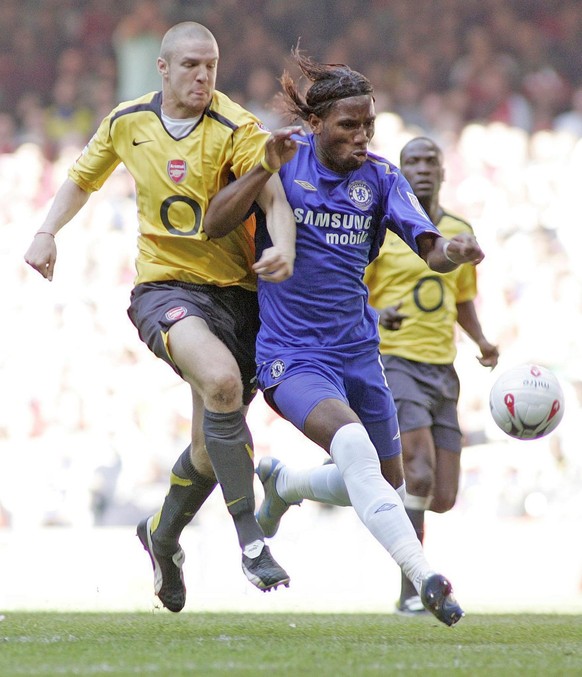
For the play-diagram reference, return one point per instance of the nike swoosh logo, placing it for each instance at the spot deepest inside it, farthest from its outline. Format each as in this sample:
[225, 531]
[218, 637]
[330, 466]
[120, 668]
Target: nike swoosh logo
[236, 500]
[138, 143]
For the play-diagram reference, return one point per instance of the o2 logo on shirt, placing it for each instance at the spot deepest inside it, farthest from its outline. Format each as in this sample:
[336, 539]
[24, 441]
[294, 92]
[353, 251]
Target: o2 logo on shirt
[360, 194]
[277, 369]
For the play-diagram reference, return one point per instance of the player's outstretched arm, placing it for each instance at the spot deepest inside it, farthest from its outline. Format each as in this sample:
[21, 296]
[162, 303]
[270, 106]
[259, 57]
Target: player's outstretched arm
[276, 262]
[280, 148]
[442, 255]
[42, 251]
[468, 320]
[229, 207]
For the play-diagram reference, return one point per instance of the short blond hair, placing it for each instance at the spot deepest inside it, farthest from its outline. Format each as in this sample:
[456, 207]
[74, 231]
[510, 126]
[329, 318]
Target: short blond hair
[187, 30]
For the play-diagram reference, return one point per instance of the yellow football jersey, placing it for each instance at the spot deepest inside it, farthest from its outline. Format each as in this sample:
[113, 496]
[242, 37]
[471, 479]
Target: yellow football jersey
[175, 180]
[428, 298]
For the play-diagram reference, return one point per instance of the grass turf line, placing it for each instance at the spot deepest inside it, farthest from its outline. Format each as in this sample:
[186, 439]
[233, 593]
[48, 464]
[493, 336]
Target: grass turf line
[287, 645]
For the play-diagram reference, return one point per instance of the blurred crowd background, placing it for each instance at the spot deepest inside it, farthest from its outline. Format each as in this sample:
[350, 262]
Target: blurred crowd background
[90, 421]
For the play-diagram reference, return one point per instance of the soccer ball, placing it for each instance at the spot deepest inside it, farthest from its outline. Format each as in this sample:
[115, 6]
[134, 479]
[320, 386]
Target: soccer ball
[527, 402]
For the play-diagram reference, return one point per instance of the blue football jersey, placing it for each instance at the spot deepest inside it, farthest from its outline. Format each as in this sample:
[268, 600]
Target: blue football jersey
[341, 223]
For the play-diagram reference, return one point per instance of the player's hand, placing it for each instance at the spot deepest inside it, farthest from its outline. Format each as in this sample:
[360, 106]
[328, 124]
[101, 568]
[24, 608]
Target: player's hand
[391, 318]
[274, 265]
[489, 354]
[464, 248]
[42, 254]
[280, 147]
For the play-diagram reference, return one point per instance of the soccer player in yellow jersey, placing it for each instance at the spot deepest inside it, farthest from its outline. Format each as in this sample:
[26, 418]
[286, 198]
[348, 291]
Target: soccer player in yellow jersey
[194, 301]
[419, 310]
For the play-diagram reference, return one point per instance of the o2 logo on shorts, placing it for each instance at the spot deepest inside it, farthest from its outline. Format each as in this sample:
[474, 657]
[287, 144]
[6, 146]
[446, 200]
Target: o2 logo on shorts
[360, 194]
[277, 369]
[176, 313]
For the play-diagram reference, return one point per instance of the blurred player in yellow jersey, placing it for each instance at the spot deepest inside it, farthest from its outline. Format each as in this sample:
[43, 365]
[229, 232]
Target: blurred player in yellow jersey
[194, 301]
[419, 310]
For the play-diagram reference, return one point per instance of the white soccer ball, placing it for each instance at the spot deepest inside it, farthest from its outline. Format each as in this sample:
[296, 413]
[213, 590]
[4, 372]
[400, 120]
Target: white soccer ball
[527, 402]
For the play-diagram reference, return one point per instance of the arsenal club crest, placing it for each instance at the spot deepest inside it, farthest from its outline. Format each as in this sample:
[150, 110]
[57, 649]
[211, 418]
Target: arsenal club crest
[175, 314]
[177, 170]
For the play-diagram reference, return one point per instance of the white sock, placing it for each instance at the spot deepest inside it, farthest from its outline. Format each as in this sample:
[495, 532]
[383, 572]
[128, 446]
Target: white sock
[254, 549]
[417, 502]
[401, 491]
[323, 484]
[377, 503]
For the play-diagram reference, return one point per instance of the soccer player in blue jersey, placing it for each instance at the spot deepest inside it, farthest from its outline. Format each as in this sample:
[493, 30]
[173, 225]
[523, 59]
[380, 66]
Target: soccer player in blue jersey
[194, 301]
[317, 348]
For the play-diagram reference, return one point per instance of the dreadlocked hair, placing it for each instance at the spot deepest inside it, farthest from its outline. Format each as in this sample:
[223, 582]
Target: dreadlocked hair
[331, 82]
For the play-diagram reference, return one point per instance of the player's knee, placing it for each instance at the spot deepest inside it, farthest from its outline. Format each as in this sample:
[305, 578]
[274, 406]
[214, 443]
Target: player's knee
[223, 392]
[393, 471]
[443, 502]
[419, 482]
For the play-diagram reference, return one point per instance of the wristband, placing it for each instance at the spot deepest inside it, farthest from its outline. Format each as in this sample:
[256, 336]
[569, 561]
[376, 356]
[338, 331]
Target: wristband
[267, 167]
[446, 253]
[44, 232]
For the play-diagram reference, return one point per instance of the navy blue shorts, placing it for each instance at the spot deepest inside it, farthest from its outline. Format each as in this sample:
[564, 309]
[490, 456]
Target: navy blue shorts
[303, 379]
[231, 313]
[426, 396]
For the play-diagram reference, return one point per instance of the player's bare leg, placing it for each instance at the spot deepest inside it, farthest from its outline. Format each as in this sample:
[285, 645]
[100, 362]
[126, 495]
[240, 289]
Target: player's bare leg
[419, 465]
[210, 368]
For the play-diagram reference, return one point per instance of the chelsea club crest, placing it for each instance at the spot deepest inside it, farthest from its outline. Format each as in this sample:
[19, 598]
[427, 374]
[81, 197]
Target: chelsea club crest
[360, 194]
[277, 369]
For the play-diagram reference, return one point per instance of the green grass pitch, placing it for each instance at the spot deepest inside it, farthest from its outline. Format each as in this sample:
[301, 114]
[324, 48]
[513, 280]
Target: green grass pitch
[293, 645]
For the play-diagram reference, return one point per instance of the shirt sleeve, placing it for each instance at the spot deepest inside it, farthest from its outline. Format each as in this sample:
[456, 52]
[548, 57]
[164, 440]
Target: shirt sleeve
[249, 148]
[466, 283]
[97, 160]
[403, 215]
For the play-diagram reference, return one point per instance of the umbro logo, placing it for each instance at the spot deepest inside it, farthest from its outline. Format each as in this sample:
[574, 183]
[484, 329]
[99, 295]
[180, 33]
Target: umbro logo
[138, 143]
[306, 185]
[385, 507]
